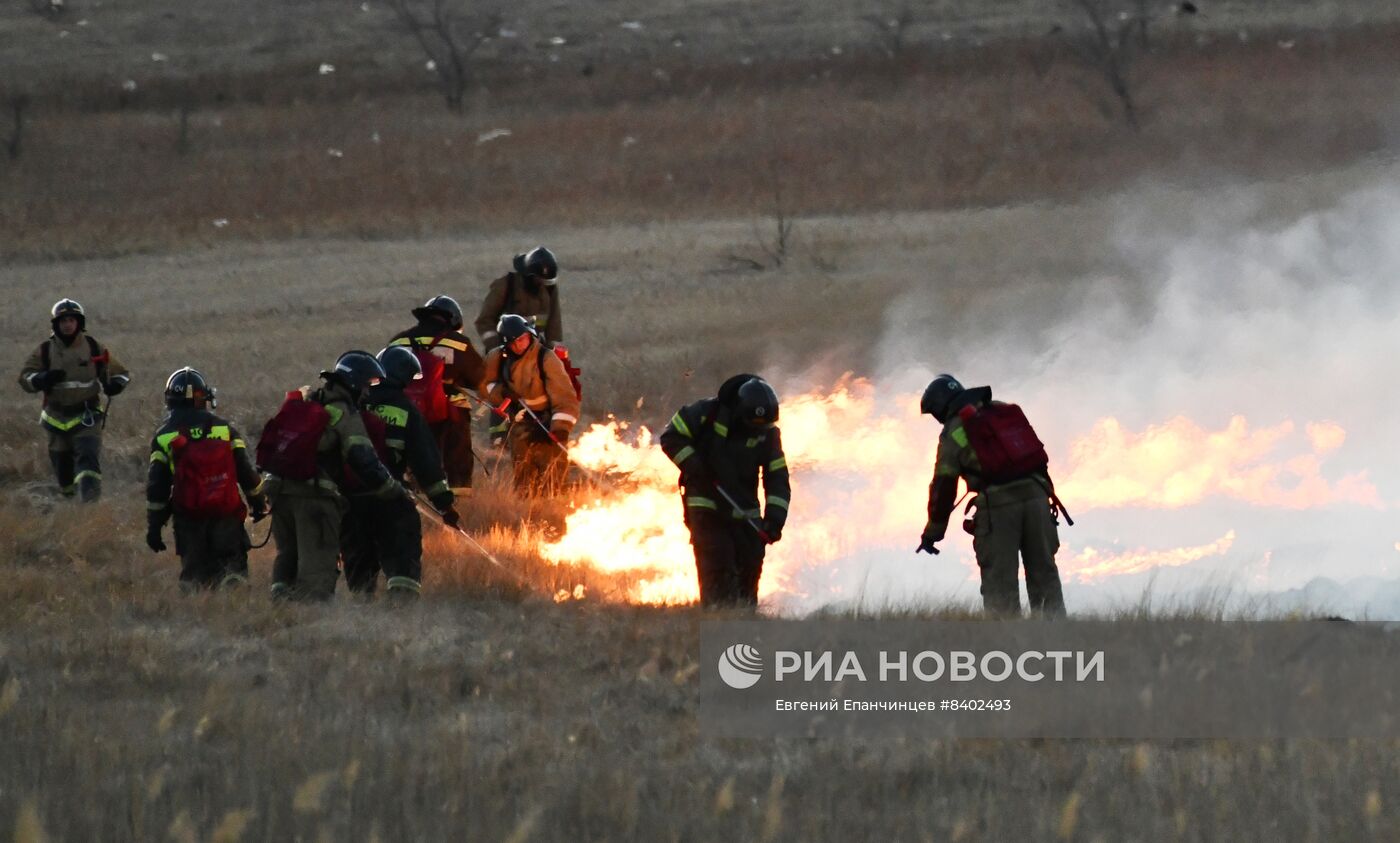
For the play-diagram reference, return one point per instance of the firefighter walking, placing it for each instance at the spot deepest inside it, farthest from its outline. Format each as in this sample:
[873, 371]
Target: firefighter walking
[991, 446]
[387, 534]
[198, 465]
[72, 370]
[530, 386]
[307, 450]
[721, 446]
[450, 366]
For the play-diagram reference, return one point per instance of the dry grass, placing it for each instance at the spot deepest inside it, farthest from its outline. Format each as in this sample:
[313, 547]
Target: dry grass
[974, 129]
[489, 711]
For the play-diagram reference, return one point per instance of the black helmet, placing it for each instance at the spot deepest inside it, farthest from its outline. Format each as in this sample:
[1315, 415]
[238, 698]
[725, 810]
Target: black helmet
[939, 395]
[187, 388]
[68, 307]
[511, 327]
[757, 404]
[538, 262]
[441, 307]
[357, 371]
[400, 366]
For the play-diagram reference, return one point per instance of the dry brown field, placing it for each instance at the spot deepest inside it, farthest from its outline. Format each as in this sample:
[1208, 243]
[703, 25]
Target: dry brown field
[968, 181]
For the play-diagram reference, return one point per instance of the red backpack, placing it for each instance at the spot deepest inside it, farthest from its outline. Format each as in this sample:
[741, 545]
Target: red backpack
[426, 393]
[206, 477]
[288, 444]
[1004, 441]
[563, 354]
[378, 432]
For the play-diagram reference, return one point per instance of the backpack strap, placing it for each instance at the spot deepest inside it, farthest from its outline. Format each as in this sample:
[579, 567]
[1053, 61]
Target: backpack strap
[100, 358]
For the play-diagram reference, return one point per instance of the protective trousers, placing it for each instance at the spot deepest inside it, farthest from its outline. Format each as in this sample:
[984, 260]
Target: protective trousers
[382, 535]
[454, 441]
[1007, 533]
[728, 558]
[307, 531]
[540, 464]
[213, 552]
[76, 458]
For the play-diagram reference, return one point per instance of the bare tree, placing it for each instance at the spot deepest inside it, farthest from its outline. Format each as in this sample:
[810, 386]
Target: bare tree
[892, 28]
[450, 35]
[1113, 37]
[18, 104]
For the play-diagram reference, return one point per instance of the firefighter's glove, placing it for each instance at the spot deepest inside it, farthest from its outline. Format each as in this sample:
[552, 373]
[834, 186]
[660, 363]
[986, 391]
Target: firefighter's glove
[258, 508]
[774, 529]
[559, 434]
[44, 381]
[114, 386]
[451, 518]
[930, 537]
[153, 539]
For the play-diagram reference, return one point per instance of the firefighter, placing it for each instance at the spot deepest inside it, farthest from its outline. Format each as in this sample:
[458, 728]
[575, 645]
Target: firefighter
[530, 290]
[531, 387]
[1014, 510]
[307, 451]
[198, 464]
[386, 535]
[721, 445]
[439, 334]
[72, 370]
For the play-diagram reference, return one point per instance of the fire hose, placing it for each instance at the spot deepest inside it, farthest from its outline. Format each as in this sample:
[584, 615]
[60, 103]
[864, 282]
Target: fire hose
[426, 508]
[593, 476]
[739, 510]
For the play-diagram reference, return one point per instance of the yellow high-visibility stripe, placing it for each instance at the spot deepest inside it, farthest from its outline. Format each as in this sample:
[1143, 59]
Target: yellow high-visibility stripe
[960, 437]
[59, 425]
[359, 440]
[683, 454]
[681, 427]
[239, 444]
[405, 584]
[396, 416]
[155, 506]
[780, 462]
[95, 475]
[157, 456]
[722, 429]
[774, 500]
[700, 503]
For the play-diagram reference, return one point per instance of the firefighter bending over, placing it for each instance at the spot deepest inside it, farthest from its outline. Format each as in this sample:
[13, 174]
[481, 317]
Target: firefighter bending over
[387, 535]
[530, 386]
[309, 449]
[992, 447]
[721, 445]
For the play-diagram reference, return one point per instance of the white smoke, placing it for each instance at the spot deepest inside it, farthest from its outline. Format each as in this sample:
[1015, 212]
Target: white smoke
[1213, 306]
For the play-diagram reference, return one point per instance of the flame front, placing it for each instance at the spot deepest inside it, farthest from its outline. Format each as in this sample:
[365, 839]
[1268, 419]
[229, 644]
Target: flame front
[861, 460]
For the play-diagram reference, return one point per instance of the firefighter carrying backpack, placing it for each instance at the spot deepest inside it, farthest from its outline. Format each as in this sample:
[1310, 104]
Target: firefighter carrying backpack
[206, 477]
[1005, 443]
[288, 445]
[427, 393]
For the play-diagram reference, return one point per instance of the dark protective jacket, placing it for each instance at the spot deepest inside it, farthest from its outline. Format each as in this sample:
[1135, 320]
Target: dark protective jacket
[462, 368]
[511, 293]
[344, 444]
[85, 372]
[957, 459]
[537, 379]
[410, 442]
[704, 441]
[160, 476]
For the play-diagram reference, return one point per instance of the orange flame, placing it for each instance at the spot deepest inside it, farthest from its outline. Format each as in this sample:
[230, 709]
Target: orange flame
[861, 463]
